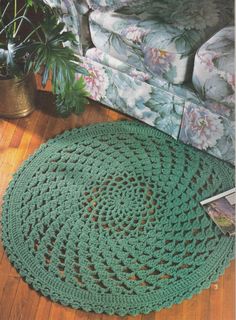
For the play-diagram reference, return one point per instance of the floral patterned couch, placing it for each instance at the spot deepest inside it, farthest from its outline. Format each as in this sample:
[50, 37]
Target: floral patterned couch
[168, 63]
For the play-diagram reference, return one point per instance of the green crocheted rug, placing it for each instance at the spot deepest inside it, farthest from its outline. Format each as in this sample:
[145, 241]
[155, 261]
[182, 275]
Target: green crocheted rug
[107, 219]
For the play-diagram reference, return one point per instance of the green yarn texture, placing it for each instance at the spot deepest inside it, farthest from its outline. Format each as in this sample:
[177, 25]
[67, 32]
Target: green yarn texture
[107, 218]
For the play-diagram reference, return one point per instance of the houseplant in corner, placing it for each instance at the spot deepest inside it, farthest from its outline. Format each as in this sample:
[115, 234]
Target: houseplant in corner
[28, 46]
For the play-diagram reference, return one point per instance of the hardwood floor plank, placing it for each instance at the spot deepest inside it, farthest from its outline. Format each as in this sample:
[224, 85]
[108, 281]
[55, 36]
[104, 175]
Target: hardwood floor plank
[202, 308]
[94, 316]
[19, 131]
[228, 312]
[7, 299]
[6, 267]
[55, 127]
[3, 125]
[189, 308]
[1, 254]
[43, 309]
[3, 185]
[150, 316]
[39, 131]
[26, 139]
[175, 313]
[59, 312]
[8, 131]
[6, 173]
[3, 280]
[17, 150]
[25, 303]
[216, 293]
[115, 317]
[138, 317]
[80, 315]
[162, 314]
[6, 137]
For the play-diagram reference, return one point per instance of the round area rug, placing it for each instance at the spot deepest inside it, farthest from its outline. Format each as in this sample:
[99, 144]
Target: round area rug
[107, 219]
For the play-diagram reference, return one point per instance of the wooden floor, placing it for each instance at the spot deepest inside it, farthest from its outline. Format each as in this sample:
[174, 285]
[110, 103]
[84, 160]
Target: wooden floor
[18, 139]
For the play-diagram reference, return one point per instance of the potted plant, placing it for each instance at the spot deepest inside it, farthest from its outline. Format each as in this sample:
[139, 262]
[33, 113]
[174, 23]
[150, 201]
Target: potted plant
[28, 46]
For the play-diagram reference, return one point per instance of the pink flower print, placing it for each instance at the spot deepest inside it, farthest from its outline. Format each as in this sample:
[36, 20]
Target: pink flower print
[135, 34]
[96, 82]
[139, 75]
[95, 54]
[159, 61]
[202, 127]
[207, 58]
[218, 108]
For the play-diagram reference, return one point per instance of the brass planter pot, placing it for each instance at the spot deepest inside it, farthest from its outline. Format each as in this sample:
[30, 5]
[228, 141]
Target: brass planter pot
[17, 97]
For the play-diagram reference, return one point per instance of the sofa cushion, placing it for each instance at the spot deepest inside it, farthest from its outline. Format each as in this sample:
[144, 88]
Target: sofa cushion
[166, 111]
[185, 91]
[155, 106]
[213, 75]
[160, 42]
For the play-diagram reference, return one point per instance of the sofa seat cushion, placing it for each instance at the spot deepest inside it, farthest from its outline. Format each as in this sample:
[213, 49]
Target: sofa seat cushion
[151, 42]
[185, 91]
[214, 70]
[154, 106]
[204, 129]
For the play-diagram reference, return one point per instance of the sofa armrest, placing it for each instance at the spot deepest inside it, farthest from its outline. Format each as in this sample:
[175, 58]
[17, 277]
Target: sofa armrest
[214, 68]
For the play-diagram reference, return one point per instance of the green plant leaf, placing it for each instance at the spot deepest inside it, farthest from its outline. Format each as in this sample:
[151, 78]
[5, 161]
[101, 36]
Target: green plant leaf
[43, 50]
[73, 99]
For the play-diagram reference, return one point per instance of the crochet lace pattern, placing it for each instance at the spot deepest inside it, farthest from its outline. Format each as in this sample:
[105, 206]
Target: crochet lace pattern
[107, 218]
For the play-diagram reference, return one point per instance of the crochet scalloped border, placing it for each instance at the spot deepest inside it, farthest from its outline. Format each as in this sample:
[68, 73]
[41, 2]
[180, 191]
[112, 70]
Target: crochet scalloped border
[122, 167]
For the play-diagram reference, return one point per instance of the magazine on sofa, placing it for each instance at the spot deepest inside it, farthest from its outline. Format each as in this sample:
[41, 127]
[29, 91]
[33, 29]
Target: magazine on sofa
[221, 209]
